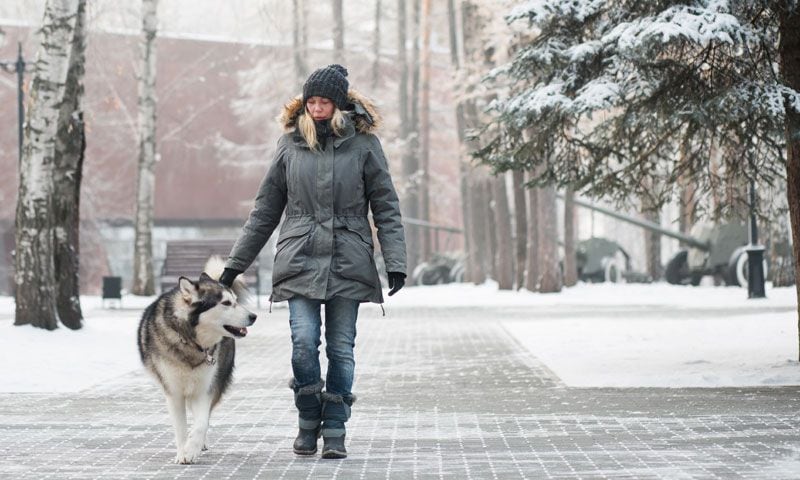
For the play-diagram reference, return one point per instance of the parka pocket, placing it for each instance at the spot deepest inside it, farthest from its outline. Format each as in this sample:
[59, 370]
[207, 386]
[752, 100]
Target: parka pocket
[353, 257]
[293, 252]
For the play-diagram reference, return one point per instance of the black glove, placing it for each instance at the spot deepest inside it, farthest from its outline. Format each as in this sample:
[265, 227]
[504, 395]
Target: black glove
[227, 277]
[396, 281]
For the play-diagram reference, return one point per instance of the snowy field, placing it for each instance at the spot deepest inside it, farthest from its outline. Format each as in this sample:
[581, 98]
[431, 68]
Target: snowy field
[636, 335]
[589, 335]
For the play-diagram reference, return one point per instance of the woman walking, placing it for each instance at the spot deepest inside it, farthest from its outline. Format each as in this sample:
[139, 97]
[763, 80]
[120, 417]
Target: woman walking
[328, 170]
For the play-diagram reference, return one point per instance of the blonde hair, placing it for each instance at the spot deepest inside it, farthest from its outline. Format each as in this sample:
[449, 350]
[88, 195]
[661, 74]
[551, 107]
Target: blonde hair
[305, 124]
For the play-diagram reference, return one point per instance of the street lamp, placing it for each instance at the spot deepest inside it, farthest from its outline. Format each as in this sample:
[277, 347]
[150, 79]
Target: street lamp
[18, 66]
[755, 253]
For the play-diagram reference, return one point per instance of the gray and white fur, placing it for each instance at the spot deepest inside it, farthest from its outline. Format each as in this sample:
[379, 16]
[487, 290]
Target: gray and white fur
[186, 341]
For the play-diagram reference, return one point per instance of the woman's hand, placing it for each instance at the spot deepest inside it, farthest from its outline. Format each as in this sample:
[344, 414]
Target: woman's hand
[227, 277]
[396, 281]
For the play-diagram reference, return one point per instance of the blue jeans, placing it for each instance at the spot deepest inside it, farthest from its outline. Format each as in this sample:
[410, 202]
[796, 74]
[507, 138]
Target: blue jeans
[340, 333]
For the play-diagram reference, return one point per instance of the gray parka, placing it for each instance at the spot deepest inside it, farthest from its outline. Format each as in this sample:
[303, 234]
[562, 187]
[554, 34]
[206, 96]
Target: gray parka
[325, 245]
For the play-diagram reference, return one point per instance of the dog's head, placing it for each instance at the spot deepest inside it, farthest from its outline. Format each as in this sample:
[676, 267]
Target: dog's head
[213, 308]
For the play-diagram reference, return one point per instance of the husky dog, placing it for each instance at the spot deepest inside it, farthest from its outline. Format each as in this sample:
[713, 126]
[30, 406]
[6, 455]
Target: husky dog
[186, 342]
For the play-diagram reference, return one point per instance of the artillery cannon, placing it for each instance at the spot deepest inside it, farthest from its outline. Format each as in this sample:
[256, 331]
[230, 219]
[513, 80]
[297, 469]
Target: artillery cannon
[718, 250]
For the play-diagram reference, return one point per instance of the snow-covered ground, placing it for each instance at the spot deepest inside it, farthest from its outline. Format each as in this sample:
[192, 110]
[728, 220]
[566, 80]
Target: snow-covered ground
[589, 335]
[637, 335]
[63, 360]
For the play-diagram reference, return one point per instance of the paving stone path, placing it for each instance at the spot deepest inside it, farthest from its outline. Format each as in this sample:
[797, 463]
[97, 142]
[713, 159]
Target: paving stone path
[443, 393]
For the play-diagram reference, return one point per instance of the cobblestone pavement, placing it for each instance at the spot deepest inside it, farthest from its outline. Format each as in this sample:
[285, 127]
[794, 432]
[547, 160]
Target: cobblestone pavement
[443, 393]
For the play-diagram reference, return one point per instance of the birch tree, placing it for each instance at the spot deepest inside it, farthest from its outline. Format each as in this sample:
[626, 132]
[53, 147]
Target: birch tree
[550, 280]
[424, 124]
[338, 32]
[406, 106]
[570, 255]
[300, 42]
[67, 176]
[520, 228]
[532, 247]
[376, 46]
[143, 278]
[502, 232]
[34, 274]
[461, 126]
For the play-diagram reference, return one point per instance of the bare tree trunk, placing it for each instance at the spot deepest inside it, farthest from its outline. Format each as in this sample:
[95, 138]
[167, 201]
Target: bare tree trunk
[716, 199]
[687, 201]
[424, 125]
[482, 224]
[376, 47]
[143, 280]
[503, 257]
[652, 241]
[570, 258]
[299, 42]
[409, 200]
[789, 49]
[411, 159]
[520, 226]
[463, 163]
[403, 66]
[687, 208]
[476, 222]
[68, 162]
[338, 32]
[34, 259]
[532, 268]
[490, 237]
[549, 270]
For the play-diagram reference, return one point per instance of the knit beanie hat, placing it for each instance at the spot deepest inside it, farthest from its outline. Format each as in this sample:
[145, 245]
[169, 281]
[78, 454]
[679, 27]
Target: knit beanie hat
[329, 82]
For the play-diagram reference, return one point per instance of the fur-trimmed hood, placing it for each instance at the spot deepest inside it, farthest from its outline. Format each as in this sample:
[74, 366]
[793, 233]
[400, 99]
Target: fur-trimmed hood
[362, 111]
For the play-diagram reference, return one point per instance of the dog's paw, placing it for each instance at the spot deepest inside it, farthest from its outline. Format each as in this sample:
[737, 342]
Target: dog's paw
[191, 450]
[185, 457]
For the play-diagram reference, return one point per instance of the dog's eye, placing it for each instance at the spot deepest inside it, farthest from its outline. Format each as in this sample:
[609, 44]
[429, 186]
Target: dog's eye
[227, 303]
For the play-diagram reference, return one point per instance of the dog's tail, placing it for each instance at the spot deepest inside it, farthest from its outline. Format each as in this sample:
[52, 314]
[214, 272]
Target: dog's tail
[214, 268]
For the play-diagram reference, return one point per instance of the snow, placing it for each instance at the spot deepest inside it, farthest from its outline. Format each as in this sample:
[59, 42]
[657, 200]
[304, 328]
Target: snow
[694, 350]
[699, 25]
[545, 10]
[590, 335]
[602, 295]
[65, 360]
[644, 335]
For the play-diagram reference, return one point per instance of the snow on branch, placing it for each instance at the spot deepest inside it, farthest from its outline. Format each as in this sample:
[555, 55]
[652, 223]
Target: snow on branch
[541, 11]
[692, 23]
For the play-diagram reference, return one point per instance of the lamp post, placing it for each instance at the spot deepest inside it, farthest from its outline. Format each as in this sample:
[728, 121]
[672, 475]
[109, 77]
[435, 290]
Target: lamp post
[755, 253]
[18, 66]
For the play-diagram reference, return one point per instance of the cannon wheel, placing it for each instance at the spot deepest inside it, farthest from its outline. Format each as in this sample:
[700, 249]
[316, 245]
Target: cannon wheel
[737, 268]
[612, 270]
[678, 273]
[428, 274]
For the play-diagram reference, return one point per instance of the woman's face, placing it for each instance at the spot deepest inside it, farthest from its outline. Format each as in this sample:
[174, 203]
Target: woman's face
[320, 108]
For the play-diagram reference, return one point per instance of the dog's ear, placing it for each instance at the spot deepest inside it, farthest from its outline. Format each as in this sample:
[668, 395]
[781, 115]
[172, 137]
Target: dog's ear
[188, 288]
[204, 277]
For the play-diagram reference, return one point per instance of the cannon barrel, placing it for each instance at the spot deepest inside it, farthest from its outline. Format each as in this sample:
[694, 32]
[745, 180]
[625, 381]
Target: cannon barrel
[644, 224]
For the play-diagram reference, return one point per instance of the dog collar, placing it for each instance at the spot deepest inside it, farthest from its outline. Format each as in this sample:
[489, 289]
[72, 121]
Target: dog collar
[208, 352]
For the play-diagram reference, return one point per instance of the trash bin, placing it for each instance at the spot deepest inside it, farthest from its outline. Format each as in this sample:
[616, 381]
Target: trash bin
[112, 291]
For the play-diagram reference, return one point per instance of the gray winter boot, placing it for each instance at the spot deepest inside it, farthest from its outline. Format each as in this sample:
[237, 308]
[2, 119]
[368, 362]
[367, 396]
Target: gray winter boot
[306, 441]
[335, 412]
[308, 401]
[333, 447]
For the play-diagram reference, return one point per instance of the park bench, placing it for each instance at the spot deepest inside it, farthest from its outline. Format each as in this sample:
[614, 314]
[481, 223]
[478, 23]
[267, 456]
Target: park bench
[188, 257]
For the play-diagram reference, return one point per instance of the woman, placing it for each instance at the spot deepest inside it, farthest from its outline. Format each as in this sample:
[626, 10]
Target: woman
[329, 168]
